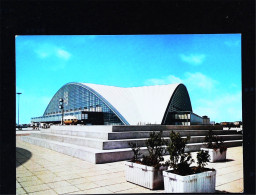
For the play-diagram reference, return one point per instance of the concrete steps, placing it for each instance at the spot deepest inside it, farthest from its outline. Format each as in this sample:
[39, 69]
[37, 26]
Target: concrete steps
[98, 145]
[130, 134]
[115, 144]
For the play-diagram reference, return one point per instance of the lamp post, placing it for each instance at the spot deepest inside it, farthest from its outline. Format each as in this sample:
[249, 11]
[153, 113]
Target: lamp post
[61, 106]
[19, 108]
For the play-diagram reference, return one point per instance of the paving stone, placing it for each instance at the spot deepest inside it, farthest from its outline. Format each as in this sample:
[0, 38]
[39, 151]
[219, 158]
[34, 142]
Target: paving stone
[118, 187]
[86, 186]
[65, 174]
[58, 184]
[28, 178]
[78, 181]
[20, 191]
[66, 189]
[107, 182]
[101, 190]
[18, 184]
[31, 183]
[234, 187]
[44, 192]
[97, 178]
[36, 188]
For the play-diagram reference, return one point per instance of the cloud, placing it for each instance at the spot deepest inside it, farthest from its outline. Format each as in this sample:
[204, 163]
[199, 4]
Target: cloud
[194, 59]
[198, 80]
[233, 43]
[194, 81]
[163, 81]
[207, 96]
[63, 54]
[48, 50]
[226, 107]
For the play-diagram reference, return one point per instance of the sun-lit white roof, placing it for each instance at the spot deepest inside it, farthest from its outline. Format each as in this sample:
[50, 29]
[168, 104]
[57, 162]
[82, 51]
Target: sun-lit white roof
[135, 105]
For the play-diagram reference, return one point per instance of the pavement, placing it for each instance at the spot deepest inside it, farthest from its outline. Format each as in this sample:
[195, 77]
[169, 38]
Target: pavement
[43, 171]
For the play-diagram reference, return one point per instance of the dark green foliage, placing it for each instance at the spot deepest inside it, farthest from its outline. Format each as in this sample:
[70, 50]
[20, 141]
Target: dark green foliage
[156, 150]
[136, 151]
[179, 160]
[210, 139]
[215, 142]
[202, 158]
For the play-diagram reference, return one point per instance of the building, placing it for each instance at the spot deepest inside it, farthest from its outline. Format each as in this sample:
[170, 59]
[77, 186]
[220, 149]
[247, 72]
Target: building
[108, 105]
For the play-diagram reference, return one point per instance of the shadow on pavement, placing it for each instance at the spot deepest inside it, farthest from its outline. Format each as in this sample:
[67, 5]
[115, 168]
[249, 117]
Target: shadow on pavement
[22, 156]
[227, 160]
[221, 191]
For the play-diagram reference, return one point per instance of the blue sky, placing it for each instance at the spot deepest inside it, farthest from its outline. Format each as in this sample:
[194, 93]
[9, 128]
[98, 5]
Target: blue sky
[209, 66]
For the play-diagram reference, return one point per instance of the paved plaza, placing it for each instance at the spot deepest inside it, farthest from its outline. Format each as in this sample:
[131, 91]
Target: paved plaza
[43, 171]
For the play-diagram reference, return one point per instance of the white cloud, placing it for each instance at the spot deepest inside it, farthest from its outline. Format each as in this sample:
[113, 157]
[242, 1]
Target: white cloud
[194, 59]
[163, 81]
[207, 96]
[225, 107]
[198, 80]
[49, 50]
[194, 81]
[63, 54]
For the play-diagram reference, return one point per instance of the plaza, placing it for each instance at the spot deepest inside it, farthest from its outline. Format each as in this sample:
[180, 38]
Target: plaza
[43, 171]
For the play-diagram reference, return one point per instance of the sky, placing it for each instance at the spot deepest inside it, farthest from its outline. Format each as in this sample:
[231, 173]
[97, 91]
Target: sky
[208, 64]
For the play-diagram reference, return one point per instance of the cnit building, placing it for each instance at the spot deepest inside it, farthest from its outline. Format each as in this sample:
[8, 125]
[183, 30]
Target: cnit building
[93, 104]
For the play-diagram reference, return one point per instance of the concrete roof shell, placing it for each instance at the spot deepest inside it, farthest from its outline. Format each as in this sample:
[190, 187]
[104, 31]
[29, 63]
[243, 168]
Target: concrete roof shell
[133, 105]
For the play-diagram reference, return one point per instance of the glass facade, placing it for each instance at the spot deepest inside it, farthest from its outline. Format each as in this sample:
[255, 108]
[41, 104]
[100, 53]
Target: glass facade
[90, 107]
[179, 102]
[77, 98]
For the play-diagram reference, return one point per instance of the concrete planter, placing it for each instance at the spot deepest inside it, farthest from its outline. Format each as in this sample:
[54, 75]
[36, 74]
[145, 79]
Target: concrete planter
[197, 183]
[215, 155]
[143, 175]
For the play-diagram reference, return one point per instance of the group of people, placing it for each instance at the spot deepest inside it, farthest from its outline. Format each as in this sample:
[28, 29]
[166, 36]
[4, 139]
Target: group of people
[41, 125]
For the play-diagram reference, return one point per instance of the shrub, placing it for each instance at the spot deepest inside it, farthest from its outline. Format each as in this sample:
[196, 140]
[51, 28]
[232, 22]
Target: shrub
[202, 158]
[180, 160]
[156, 149]
[215, 142]
[136, 151]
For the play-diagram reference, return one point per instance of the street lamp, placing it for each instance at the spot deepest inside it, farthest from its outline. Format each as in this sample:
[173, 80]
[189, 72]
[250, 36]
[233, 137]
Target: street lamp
[61, 106]
[19, 108]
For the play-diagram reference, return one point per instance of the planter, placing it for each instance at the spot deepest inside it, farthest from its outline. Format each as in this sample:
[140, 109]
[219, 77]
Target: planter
[143, 175]
[215, 155]
[201, 182]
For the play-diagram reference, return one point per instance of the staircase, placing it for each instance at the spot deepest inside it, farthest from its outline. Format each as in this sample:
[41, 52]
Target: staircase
[103, 144]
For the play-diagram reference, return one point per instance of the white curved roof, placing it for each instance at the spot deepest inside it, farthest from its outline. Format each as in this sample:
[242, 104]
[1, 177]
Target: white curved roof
[145, 104]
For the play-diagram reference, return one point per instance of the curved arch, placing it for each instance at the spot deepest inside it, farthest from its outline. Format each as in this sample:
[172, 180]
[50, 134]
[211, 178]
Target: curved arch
[180, 90]
[52, 99]
[105, 101]
[95, 93]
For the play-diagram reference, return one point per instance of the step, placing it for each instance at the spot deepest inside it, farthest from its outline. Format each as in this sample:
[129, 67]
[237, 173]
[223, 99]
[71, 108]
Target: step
[193, 147]
[97, 156]
[91, 155]
[79, 133]
[80, 141]
[145, 134]
[114, 144]
[128, 135]
[92, 128]
[124, 128]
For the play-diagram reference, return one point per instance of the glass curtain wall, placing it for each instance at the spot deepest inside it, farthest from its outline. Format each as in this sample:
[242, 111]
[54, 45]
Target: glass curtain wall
[76, 99]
